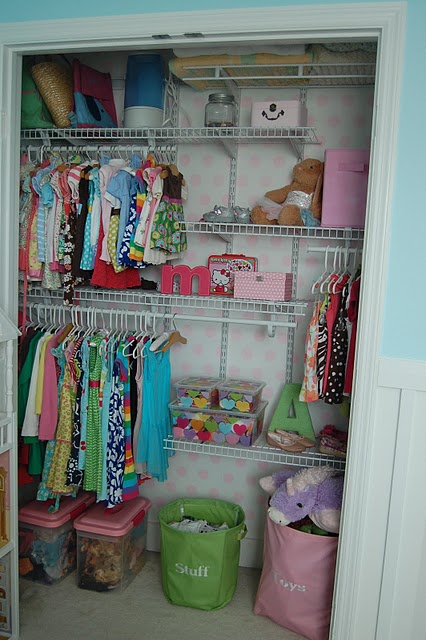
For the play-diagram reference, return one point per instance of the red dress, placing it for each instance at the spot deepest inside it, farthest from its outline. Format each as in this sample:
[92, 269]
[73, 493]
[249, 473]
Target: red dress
[105, 276]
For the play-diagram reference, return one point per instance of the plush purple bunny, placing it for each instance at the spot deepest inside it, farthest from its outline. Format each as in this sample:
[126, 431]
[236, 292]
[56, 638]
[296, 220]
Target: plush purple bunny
[315, 492]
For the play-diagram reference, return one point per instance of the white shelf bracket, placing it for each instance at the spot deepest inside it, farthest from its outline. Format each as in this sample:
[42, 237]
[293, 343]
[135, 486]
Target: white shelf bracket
[297, 148]
[230, 147]
[271, 327]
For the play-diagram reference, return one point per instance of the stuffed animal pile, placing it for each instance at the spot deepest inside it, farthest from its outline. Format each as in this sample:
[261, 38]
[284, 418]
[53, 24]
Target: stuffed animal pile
[315, 492]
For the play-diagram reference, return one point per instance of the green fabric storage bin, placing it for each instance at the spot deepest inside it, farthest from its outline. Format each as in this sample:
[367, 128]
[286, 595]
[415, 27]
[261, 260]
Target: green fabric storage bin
[200, 570]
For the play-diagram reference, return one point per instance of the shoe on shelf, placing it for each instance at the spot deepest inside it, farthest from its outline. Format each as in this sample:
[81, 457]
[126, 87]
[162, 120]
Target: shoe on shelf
[296, 437]
[242, 215]
[282, 442]
[219, 214]
[333, 441]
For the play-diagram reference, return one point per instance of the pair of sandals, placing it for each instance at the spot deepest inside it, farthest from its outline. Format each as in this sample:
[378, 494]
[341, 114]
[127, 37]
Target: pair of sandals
[333, 441]
[228, 214]
[288, 441]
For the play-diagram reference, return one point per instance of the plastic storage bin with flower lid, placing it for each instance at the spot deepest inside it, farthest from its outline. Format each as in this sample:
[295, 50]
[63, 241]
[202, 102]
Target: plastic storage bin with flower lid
[243, 396]
[217, 426]
[197, 391]
[111, 545]
[47, 543]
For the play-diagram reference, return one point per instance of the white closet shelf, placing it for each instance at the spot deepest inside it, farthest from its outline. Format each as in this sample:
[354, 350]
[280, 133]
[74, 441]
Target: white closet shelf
[302, 135]
[274, 230]
[215, 303]
[280, 76]
[259, 452]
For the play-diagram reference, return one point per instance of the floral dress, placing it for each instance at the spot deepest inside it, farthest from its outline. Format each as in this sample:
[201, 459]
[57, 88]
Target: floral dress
[168, 228]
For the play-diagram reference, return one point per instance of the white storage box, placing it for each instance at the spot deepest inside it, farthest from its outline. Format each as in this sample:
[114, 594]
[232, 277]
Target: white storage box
[282, 113]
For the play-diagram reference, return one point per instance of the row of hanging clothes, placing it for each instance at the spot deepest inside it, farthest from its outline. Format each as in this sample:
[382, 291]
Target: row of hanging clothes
[93, 404]
[331, 335]
[98, 220]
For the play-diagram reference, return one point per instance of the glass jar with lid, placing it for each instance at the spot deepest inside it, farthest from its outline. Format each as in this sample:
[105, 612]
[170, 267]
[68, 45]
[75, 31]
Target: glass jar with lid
[221, 111]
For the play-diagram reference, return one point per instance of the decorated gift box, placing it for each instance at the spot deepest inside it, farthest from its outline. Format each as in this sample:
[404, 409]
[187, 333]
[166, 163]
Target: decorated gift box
[216, 426]
[198, 391]
[241, 396]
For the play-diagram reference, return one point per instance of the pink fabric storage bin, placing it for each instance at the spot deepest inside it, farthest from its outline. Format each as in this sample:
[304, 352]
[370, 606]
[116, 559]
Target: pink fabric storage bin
[345, 187]
[111, 545]
[296, 585]
[279, 113]
[263, 286]
[47, 541]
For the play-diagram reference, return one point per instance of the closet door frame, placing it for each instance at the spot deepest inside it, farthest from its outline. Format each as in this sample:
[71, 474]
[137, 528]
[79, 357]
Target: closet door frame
[369, 468]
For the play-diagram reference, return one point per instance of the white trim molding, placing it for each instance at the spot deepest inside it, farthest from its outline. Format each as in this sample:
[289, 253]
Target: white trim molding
[402, 374]
[372, 444]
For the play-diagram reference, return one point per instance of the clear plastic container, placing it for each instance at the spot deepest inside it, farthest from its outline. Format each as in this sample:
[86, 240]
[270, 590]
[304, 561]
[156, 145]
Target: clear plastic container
[243, 396]
[220, 111]
[199, 392]
[47, 541]
[111, 545]
[216, 426]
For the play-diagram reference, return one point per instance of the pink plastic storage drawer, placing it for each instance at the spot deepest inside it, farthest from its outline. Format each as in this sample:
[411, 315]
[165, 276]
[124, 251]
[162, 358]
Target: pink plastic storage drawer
[47, 542]
[345, 187]
[111, 545]
[263, 286]
[279, 113]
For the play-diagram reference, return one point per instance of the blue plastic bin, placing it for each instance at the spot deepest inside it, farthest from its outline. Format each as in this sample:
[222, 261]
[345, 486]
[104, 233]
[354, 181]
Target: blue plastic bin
[144, 81]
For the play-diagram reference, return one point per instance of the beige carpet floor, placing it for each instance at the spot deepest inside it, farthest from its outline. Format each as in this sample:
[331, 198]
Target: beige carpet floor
[141, 612]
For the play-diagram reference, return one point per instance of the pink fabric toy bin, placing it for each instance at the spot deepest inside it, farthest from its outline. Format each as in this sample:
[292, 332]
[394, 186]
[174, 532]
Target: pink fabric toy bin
[296, 585]
[345, 187]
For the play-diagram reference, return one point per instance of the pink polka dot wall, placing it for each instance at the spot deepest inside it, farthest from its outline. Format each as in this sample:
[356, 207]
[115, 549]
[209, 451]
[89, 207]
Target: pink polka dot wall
[342, 118]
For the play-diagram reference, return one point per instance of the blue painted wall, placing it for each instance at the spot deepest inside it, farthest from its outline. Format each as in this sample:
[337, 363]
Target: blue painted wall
[403, 334]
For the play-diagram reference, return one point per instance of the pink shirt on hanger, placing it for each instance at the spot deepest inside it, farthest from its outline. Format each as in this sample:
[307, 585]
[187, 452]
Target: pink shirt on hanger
[49, 406]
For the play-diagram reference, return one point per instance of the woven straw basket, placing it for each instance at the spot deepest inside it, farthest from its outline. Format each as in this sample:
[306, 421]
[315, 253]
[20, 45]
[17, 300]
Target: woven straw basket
[55, 85]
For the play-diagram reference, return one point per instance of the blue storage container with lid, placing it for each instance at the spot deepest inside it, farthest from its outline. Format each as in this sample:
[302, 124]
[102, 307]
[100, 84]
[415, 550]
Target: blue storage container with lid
[144, 81]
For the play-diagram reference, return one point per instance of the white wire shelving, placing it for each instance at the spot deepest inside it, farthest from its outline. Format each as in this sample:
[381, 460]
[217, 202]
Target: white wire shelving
[259, 452]
[128, 299]
[305, 135]
[229, 137]
[250, 76]
[274, 230]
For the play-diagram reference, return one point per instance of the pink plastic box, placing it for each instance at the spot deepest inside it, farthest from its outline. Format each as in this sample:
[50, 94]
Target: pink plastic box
[279, 113]
[47, 543]
[111, 545]
[345, 187]
[263, 286]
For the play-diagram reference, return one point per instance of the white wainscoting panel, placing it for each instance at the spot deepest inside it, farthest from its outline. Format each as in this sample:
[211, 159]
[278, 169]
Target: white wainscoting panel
[403, 594]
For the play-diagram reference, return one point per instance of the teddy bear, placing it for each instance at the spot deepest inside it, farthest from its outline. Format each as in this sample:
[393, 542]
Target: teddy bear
[297, 204]
[316, 492]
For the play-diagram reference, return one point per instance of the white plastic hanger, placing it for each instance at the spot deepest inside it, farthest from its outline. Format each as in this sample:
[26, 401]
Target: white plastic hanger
[318, 281]
[324, 286]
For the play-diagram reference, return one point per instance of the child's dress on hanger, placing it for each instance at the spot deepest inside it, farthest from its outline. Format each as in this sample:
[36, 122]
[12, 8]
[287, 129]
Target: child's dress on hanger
[168, 230]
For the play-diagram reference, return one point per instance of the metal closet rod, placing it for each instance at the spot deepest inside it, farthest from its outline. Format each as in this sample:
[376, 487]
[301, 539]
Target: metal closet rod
[99, 147]
[328, 249]
[91, 314]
